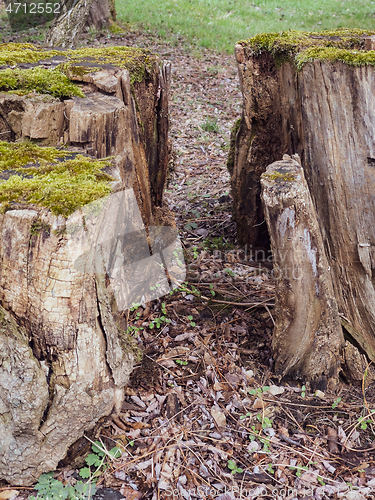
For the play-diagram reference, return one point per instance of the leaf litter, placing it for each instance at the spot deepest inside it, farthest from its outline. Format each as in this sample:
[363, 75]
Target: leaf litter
[203, 415]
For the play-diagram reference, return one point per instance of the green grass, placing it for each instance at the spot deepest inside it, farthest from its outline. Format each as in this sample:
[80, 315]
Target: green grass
[219, 24]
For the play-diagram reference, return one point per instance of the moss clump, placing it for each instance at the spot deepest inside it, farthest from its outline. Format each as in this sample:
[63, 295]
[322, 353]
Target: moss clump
[279, 176]
[79, 70]
[116, 29]
[40, 80]
[129, 345]
[139, 62]
[38, 226]
[301, 47]
[14, 53]
[16, 155]
[350, 57]
[62, 186]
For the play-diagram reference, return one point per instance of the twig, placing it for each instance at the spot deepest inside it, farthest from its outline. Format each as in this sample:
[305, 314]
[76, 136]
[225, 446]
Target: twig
[289, 440]
[243, 304]
[269, 312]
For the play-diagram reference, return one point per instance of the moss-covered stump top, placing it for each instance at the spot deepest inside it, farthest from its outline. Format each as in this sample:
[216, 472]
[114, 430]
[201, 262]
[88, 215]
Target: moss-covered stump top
[57, 179]
[301, 47]
[48, 70]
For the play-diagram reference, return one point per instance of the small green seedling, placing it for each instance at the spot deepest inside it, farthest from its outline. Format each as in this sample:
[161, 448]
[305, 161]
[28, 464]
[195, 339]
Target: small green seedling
[157, 322]
[259, 391]
[335, 403]
[252, 437]
[210, 125]
[190, 225]
[266, 445]
[233, 467]
[51, 489]
[266, 422]
[363, 422]
[248, 414]
[190, 318]
[299, 470]
[303, 389]
[96, 460]
[212, 290]
[270, 469]
[181, 362]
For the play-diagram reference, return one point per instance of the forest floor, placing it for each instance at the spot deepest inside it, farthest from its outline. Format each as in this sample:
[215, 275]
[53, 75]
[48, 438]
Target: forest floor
[204, 416]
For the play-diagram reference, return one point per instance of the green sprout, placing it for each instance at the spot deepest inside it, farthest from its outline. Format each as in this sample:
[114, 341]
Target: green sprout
[233, 467]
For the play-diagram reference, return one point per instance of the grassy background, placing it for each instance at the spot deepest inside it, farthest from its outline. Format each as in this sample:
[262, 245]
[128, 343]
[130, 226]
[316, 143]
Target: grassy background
[219, 24]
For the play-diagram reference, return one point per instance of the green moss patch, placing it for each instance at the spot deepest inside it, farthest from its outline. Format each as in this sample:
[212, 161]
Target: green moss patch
[279, 176]
[15, 155]
[14, 53]
[40, 80]
[62, 186]
[139, 62]
[302, 47]
[350, 57]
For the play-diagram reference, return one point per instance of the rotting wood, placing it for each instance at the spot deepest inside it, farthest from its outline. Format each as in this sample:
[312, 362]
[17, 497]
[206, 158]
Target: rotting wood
[66, 354]
[313, 95]
[307, 340]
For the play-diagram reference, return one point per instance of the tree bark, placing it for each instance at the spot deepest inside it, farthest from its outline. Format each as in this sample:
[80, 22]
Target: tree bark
[66, 29]
[323, 111]
[65, 284]
[101, 14]
[307, 340]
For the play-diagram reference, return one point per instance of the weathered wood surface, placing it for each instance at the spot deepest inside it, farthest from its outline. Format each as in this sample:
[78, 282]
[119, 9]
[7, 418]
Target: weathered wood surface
[100, 123]
[64, 284]
[63, 362]
[38, 117]
[325, 113]
[307, 340]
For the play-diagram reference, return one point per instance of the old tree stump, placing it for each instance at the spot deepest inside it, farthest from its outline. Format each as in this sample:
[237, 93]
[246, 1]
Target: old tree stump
[311, 95]
[66, 260]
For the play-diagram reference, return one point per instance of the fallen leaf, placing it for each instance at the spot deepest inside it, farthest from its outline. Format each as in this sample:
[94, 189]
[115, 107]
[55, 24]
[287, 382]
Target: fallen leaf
[8, 494]
[275, 390]
[208, 359]
[219, 417]
[130, 494]
[341, 434]
[284, 431]
[309, 477]
[233, 379]
[320, 394]
[332, 437]
[139, 425]
[218, 387]
[258, 404]
[328, 466]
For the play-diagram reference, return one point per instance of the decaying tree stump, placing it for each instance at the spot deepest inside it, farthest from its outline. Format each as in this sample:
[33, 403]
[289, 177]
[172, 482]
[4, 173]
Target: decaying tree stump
[314, 94]
[68, 252]
[307, 340]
